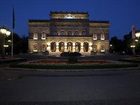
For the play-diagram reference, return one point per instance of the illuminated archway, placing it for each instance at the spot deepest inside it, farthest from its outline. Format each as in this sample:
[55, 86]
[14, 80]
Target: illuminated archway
[61, 47]
[86, 47]
[69, 46]
[43, 48]
[53, 46]
[77, 47]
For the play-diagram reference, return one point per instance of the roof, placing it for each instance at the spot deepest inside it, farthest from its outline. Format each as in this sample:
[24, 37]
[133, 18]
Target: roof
[67, 12]
[38, 20]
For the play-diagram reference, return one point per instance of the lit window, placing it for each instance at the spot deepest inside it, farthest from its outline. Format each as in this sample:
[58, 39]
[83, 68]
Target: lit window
[102, 37]
[94, 48]
[35, 36]
[43, 48]
[62, 33]
[94, 36]
[35, 48]
[102, 49]
[43, 37]
[76, 33]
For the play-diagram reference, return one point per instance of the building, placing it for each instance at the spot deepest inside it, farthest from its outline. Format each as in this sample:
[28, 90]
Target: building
[69, 32]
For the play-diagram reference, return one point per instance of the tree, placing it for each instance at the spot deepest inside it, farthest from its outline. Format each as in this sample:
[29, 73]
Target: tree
[127, 40]
[117, 45]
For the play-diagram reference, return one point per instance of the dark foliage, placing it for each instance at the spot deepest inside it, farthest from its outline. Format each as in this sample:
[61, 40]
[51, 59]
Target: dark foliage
[67, 54]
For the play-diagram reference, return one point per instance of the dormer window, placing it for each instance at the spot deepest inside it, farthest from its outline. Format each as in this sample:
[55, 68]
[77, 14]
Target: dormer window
[43, 36]
[76, 33]
[94, 36]
[69, 33]
[102, 37]
[35, 36]
[62, 33]
[84, 33]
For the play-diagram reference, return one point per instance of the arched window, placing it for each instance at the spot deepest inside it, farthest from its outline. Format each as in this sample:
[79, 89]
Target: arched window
[86, 46]
[94, 48]
[61, 47]
[102, 37]
[76, 33]
[62, 33]
[83, 32]
[55, 33]
[35, 48]
[102, 48]
[69, 33]
[69, 46]
[43, 48]
[53, 46]
[94, 36]
[35, 36]
[77, 47]
[43, 36]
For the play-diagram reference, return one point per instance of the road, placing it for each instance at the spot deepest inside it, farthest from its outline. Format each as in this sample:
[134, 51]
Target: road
[89, 86]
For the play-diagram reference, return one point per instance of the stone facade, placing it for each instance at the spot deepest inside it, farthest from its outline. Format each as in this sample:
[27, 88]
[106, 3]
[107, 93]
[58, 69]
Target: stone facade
[68, 32]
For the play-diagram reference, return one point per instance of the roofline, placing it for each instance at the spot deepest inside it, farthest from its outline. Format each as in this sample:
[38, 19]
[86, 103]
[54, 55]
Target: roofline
[38, 20]
[66, 12]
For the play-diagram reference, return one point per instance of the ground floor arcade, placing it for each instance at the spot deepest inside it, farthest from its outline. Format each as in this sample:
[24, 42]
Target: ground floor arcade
[57, 45]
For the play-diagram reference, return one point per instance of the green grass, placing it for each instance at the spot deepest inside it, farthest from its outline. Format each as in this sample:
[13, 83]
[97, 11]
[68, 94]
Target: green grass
[131, 59]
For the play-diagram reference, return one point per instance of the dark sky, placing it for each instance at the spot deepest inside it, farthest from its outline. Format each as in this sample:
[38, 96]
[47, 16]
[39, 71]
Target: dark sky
[122, 14]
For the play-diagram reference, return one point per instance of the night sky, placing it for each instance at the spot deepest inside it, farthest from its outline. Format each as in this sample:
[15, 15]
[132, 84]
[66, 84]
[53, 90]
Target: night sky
[122, 14]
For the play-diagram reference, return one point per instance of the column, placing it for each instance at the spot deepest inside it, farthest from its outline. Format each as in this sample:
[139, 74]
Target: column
[73, 49]
[57, 47]
[65, 47]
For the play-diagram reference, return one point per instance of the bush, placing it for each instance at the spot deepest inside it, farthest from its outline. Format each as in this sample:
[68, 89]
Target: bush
[67, 54]
[64, 54]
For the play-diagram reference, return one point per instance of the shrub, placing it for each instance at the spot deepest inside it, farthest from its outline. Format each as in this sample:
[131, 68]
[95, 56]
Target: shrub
[67, 54]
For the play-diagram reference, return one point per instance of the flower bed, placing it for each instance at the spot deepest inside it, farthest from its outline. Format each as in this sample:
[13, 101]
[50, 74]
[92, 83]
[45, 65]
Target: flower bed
[57, 61]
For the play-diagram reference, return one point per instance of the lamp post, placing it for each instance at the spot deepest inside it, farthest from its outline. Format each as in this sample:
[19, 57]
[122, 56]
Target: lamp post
[4, 32]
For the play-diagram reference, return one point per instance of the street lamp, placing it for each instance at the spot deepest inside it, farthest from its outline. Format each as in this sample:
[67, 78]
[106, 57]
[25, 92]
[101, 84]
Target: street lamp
[137, 35]
[5, 32]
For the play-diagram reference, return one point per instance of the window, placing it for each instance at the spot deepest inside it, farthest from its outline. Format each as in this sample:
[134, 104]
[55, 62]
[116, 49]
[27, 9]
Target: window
[94, 48]
[102, 49]
[43, 48]
[43, 36]
[83, 32]
[94, 36]
[53, 46]
[69, 33]
[102, 37]
[35, 48]
[55, 33]
[76, 33]
[62, 33]
[35, 36]
[86, 46]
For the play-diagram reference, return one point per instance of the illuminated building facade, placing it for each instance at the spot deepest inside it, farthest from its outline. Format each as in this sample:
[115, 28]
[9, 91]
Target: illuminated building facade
[68, 32]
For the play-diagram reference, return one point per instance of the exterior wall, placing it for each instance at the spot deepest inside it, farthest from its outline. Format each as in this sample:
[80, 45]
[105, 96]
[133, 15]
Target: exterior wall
[72, 42]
